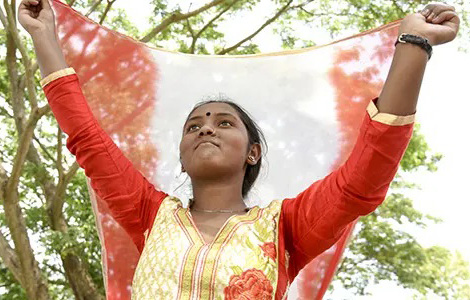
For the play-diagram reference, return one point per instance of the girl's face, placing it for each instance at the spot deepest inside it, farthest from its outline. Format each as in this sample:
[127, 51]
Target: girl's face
[214, 143]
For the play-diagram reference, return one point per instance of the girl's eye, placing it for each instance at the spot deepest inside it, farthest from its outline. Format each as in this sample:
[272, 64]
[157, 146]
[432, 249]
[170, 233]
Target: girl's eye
[192, 128]
[225, 124]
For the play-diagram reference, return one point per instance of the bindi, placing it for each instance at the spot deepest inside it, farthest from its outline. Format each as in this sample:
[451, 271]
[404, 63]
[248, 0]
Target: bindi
[208, 113]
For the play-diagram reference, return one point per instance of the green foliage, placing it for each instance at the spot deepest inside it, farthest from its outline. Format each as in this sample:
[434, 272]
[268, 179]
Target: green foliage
[363, 14]
[120, 22]
[246, 49]
[381, 249]
[13, 289]
[82, 237]
[418, 154]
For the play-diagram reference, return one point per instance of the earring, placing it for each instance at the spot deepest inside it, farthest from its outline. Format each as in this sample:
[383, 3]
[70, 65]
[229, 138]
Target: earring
[251, 158]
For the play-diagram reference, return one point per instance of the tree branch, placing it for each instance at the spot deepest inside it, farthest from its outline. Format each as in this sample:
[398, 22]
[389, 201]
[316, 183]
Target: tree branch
[77, 274]
[71, 172]
[43, 148]
[269, 21]
[23, 146]
[75, 270]
[93, 8]
[3, 181]
[16, 99]
[24, 143]
[106, 10]
[176, 17]
[34, 66]
[10, 259]
[398, 7]
[300, 5]
[32, 279]
[198, 34]
[323, 14]
[30, 85]
[190, 29]
[54, 268]
[5, 112]
[33, 282]
[3, 19]
[59, 282]
[43, 110]
[59, 196]
[60, 169]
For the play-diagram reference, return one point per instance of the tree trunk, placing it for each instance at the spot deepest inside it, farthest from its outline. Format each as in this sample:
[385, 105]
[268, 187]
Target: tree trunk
[32, 281]
[76, 272]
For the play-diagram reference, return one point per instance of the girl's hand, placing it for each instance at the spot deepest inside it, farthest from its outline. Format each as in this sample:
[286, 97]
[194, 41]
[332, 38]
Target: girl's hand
[437, 22]
[37, 17]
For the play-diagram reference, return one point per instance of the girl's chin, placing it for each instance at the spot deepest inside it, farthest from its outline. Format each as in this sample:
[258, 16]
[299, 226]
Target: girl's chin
[207, 153]
[210, 167]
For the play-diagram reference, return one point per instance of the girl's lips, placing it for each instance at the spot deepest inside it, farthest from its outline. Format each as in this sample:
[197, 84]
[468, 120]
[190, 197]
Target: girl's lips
[206, 142]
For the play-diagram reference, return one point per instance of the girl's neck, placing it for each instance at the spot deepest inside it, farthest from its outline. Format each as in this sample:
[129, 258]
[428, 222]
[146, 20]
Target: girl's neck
[219, 195]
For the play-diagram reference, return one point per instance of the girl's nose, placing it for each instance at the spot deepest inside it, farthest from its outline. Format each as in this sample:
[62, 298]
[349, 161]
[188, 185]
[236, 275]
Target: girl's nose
[206, 130]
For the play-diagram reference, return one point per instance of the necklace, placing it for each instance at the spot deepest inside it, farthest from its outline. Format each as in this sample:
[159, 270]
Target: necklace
[220, 210]
[225, 211]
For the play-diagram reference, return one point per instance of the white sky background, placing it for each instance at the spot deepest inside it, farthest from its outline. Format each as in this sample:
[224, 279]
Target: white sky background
[443, 113]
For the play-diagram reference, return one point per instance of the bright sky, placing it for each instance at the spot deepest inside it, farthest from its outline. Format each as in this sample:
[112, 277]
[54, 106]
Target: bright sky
[442, 112]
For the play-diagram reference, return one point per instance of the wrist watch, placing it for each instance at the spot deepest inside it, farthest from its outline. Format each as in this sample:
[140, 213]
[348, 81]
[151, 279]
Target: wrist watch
[406, 38]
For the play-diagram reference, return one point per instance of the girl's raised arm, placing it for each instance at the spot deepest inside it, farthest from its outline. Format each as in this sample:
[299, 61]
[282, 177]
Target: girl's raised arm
[315, 219]
[132, 199]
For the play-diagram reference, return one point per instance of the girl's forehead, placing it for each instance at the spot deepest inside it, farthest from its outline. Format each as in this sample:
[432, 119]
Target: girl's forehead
[213, 108]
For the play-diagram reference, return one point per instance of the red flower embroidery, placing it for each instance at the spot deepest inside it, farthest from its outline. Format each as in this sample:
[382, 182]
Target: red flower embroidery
[269, 250]
[251, 284]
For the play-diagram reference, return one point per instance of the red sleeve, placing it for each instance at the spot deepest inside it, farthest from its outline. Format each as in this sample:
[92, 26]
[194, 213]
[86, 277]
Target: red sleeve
[131, 198]
[315, 219]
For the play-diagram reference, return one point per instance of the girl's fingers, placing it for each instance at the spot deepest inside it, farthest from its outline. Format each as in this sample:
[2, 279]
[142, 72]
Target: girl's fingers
[444, 16]
[30, 2]
[43, 4]
[433, 10]
[46, 4]
[425, 12]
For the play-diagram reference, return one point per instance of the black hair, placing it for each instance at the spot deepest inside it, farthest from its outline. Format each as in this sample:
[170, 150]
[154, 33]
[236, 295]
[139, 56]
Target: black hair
[255, 136]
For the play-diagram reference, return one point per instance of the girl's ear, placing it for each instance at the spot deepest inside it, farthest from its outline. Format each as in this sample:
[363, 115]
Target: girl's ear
[254, 154]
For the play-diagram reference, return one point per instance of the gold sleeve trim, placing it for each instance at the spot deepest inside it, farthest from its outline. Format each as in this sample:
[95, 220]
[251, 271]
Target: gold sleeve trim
[56, 75]
[388, 119]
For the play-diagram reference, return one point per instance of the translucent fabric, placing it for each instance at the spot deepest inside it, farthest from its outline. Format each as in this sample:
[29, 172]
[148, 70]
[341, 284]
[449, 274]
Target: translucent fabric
[309, 103]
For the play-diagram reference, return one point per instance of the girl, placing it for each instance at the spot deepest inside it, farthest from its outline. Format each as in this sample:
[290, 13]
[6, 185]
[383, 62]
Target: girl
[217, 247]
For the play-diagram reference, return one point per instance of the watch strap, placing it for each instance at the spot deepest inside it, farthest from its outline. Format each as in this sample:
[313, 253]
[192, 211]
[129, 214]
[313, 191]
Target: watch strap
[406, 38]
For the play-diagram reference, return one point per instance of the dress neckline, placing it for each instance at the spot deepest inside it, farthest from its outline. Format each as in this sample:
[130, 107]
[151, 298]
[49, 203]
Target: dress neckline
[228, 226]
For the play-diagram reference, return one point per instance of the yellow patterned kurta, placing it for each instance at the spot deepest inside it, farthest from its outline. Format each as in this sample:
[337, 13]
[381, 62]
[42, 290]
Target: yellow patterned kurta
[176, 263]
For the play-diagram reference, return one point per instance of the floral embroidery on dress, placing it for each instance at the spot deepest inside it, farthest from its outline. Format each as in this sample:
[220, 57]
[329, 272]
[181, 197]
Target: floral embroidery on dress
[269, 250]
[251, 284]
